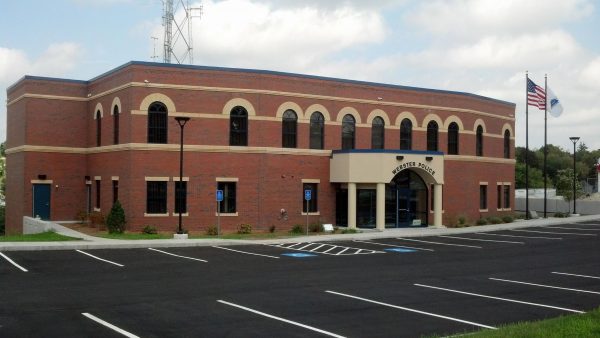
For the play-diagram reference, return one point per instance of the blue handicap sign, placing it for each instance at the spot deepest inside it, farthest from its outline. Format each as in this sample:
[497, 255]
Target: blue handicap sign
[307, 194]
[219, 195]
[298, 254]
[400, 250]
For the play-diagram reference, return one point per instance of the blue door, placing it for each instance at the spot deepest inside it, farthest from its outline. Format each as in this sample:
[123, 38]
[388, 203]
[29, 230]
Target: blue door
[41, 201]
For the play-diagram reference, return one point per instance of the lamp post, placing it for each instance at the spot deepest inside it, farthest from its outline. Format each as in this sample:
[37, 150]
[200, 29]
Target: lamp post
[574, 139]
[181, 121]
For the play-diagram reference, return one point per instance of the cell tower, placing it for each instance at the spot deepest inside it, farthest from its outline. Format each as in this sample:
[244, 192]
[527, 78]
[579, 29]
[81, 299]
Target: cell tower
[179, 31]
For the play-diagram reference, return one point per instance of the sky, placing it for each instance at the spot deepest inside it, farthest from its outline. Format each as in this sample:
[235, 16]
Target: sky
[477, 46]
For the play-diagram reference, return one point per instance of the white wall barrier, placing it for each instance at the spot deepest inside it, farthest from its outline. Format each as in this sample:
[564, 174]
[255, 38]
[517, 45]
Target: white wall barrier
[558, 205]
[34, 225]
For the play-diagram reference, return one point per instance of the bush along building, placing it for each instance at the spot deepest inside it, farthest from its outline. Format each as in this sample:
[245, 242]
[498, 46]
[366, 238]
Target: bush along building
[373, 155]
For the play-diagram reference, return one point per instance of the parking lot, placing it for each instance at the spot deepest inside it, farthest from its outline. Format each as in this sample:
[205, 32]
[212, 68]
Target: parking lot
[392, 287]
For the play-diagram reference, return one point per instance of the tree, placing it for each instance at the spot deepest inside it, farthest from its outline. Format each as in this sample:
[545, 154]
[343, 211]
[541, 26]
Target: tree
[536, 177]
[115, 221]
[564, 186]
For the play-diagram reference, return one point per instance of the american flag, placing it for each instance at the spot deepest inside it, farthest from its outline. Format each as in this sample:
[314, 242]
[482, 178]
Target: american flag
[536, 96]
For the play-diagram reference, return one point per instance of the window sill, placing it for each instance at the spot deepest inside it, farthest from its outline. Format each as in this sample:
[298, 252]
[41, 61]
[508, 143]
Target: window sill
[156, 215]
[97, 209]
[318, 213]
[183, 214]
[483, 210]
[433, 211]
[227, 214]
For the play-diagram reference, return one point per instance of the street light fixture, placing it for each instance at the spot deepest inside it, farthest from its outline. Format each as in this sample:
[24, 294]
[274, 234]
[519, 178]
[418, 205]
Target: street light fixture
[574, 139]
[181, 121]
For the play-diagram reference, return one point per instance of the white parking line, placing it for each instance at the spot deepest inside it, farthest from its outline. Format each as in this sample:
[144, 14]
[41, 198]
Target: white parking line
[410, 310]
[109, 325]
[100, 259]
[567, 228]
[245, 252]
[499, 298]
[312, 328]
[572, 274]
[13, 262]
[439, 243]
[480, 240]
[554, 233]
[517, 236]
[186, 257]
[306, 246]
[545, 286]
[317, 248]
[392, 245]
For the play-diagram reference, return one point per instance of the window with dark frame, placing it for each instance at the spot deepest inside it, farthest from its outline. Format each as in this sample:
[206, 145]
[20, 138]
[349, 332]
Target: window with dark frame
[453, 138]
[97, 205]
[499, 195]
[432, 136]
[228, 204]
[378, 133]
[506, 144]
[180, 197]
[115, 189]
[317, 128]
[238, 126]
[289, 127]
[156, 197]
[313, 205]
[483, 197]
[348, 132]
[88, 189]
[116, 125]
[98, 129]
[406, 135]
[479, 141]
[157, 123]
[507, 197]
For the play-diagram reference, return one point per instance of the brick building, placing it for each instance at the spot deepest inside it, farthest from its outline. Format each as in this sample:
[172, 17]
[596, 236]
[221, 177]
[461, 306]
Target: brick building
[373, 155]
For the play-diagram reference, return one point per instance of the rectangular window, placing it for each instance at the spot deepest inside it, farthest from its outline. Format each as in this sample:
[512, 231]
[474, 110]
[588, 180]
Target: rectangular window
[115, 186]
[228, 204]
[181, 197]
[156, 197]
[499, 195]
[88, 189]
[313, 205]
[98, 194]
[483, 197]
[507, 197]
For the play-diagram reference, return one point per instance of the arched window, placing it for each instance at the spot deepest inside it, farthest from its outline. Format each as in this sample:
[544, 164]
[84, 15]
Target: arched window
[157, 123]
[378, 133]
[453, 138]
[238, 126]
[406, 135]
[289, 129]
[98, 129]
[506, 144]
[432, 136]
[479, 141]
[317, 124]
[348, 131]
[116, 125]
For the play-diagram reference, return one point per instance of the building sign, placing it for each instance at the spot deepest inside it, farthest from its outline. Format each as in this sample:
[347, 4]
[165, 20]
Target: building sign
[414, 164]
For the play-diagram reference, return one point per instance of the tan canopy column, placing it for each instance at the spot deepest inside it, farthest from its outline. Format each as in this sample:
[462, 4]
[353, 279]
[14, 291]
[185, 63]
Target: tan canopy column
[380, 208]
[351, 205]
[437, 204]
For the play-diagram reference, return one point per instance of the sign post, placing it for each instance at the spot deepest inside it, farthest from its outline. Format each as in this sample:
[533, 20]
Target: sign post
[219, 200]
[307, 197]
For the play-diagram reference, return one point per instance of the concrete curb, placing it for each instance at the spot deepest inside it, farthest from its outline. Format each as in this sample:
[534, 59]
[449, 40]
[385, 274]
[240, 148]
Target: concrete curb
[91, 242]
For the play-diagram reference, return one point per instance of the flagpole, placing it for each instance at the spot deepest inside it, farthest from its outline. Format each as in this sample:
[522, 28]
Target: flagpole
[545, 139]
[526, 147]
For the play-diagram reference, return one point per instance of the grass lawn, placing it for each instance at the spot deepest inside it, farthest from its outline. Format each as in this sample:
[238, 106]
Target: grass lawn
[580, 325]
[257, 235]
[133, 236]
[48, 236]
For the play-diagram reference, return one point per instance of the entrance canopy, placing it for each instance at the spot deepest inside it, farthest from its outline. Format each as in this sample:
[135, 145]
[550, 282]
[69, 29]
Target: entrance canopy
[381, 166]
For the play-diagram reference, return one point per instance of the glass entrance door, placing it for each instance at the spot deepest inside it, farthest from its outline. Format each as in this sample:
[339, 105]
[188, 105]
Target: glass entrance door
[403, 200]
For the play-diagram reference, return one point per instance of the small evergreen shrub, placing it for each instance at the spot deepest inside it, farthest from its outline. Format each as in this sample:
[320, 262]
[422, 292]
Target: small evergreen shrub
[494, 220]
[349, 231]
[316, 227]
[244, 229]
[462, 220]
[212, 230]
[507, 219]
[149, 230]
[115, 221]
[481, 221]
[272, 229]
[561, 214]
[297, 229]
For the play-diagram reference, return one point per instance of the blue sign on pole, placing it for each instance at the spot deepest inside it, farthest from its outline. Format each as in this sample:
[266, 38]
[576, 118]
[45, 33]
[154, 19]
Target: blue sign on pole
[307, 194]
[219, 195]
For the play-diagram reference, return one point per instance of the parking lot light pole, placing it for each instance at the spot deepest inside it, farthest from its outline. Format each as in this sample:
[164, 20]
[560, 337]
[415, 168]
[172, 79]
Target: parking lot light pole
[181, 121]
[574, 139]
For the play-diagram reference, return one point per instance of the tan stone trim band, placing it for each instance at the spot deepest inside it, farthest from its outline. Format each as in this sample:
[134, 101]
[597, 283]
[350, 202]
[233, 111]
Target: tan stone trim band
[156, 179]
[41, 181]
[227, 179]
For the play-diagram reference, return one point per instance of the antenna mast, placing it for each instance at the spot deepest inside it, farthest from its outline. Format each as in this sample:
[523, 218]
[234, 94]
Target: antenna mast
[179, 31]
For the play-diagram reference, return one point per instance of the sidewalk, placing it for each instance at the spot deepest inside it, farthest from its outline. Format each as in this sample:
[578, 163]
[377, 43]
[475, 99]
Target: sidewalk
[91, 242]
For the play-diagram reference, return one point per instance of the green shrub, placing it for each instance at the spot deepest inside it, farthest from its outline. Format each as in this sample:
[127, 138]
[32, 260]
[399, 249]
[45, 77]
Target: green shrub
[149, 230]
[316, 227]
[481, 221]
[349, 231]
[462, 220]
[561, 214]
[494, 220]
[244, 229]
[115, 221]
[212, 230]
[507, 219]
[272, 229]
[297, 229]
